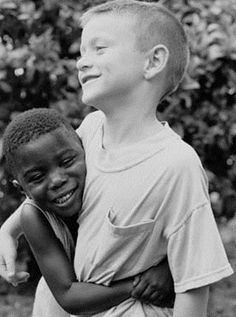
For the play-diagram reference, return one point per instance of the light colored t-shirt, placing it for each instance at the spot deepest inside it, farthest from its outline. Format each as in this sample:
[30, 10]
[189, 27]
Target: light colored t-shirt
[141, 203]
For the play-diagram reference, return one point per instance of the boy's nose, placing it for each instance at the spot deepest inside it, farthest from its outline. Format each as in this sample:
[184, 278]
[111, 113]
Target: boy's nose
[57, 179]
[83, 63]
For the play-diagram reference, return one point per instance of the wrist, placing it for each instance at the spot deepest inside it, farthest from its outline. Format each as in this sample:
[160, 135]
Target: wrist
[9, 232]
[4, 230]
[129, 287]
[125, 285]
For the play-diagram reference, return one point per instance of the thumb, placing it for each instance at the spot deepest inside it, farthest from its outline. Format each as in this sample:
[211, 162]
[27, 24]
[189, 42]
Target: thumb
[19, 277]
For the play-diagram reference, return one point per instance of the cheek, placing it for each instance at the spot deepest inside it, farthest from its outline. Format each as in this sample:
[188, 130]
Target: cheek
[81, 175]
[38, 194]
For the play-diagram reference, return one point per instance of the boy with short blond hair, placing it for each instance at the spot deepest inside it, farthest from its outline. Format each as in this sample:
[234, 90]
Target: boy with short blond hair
[153, 23]
[147, 183]
[146, 194]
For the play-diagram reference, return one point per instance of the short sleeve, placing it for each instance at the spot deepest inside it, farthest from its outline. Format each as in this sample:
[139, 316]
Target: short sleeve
[196, 253]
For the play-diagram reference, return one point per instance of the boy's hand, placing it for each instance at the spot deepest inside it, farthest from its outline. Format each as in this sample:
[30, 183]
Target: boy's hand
[155, 286]
[8, 253]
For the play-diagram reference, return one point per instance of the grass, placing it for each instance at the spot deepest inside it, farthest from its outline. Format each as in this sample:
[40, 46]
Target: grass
[13, 305]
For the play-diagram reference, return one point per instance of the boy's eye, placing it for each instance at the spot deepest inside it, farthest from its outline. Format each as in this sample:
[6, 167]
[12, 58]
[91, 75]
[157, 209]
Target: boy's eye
[68, 161]
[35, 178]
[100, 49]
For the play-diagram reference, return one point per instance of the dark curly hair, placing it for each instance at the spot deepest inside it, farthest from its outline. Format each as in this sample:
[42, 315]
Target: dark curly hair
[28, 126]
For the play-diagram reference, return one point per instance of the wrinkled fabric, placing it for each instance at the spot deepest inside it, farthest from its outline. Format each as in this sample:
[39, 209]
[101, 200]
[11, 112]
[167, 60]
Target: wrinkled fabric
[141, 203]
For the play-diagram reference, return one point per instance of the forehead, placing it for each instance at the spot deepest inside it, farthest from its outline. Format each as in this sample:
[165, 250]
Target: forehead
[108, 26]
[53, 142]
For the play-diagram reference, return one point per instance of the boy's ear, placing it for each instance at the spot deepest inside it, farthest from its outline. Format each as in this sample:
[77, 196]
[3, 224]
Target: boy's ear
[18, 186]
[156, 61]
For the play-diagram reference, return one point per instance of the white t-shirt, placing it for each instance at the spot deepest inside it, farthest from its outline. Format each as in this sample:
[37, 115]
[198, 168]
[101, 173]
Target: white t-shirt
[140, 203]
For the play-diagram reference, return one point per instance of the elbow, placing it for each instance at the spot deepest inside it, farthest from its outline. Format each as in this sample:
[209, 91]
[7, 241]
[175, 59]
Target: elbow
[78, 308]
[67, 306]
[70, 310]
[71, 307]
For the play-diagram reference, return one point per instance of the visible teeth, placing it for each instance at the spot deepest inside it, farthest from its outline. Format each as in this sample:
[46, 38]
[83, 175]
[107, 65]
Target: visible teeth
[63, 199]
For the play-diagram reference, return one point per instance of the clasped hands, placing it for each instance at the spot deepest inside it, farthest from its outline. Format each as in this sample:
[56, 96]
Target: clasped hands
[155, 286]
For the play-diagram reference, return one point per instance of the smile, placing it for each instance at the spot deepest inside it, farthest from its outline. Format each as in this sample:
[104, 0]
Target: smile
[85, 79]
[61, 200]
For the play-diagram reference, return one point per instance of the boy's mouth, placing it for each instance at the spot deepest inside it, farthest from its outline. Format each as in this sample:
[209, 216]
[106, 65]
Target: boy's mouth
[64, 198]
[87, 78]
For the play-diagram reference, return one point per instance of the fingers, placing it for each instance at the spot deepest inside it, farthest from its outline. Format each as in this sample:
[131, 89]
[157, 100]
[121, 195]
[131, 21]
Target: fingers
[160, 299]
[155, 297]
[138, 293]
[8, 272]
[10, 269]
[8, 261]
[148, 294]
[3, 270]
[139, 288]
[143, 290]
[19, 277]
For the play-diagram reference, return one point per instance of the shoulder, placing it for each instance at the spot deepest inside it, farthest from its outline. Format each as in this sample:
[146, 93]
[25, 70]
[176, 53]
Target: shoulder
[184, 166]
[176, 152]
[30, 212]
[90, 124]
[34, 224]
[183, 157]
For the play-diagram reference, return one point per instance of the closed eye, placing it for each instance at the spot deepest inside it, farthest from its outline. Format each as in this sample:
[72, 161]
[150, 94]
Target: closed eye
[100, 49]
[68, 161]
[35, 178]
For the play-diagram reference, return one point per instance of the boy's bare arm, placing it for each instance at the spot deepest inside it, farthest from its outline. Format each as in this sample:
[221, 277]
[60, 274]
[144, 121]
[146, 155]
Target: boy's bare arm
[74, 297]
[192, 303]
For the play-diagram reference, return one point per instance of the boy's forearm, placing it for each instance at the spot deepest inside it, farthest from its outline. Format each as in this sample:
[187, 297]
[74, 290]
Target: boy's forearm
[192, 303]
[88, 298]
[77, 298]
[12, 226]
[72, 296]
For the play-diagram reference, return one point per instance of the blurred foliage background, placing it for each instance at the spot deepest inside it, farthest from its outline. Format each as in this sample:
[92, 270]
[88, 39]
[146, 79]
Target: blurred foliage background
[39, 45]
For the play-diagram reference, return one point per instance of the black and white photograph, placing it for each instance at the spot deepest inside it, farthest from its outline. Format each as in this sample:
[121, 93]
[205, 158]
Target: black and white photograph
[117, 158]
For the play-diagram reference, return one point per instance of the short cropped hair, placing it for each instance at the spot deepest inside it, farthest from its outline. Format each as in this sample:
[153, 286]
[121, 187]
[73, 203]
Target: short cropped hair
[29, 126]
[154, 25]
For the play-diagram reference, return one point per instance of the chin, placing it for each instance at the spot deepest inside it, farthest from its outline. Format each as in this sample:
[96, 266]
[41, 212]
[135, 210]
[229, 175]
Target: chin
[89, 102]
[93, 100]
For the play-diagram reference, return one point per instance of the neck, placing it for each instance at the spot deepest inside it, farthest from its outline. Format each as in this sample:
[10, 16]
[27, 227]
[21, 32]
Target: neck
[125, 125]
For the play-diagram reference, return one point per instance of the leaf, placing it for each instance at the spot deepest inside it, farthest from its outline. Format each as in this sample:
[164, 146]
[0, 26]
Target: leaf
[7, 4]
[17, 54]
[215, 51]
[75, 47]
